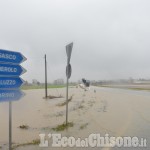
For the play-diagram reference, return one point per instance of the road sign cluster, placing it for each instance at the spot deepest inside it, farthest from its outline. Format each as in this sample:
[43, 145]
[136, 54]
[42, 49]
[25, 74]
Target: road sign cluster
[10, 70]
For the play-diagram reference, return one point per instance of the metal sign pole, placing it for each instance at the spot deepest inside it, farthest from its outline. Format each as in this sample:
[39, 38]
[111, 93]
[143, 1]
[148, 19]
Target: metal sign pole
[67, 95]
[68, 74]
[10, 125]
[45, 77]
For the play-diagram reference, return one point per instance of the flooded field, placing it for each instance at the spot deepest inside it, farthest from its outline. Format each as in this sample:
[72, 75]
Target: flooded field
[116, 112]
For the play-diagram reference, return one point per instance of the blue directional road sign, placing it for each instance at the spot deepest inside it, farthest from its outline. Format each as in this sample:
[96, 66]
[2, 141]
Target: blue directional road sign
[11, 57]
[11, 70]
[10, 95]
[10, 82]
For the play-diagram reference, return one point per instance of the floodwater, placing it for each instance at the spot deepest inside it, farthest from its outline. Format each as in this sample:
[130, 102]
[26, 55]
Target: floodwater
[116, 112]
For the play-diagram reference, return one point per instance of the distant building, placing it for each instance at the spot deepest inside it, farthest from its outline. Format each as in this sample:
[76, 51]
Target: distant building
[59, 82]
[35, 82]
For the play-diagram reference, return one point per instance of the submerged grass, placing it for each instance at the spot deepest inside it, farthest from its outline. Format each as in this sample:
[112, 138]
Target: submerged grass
[24, 127]
[63, 126]
[52, 97]
[64, 103]
[83, 126]
[34, 142]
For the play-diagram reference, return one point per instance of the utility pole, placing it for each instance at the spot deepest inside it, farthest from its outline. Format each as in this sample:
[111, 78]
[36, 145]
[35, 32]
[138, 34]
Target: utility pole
[45, 77]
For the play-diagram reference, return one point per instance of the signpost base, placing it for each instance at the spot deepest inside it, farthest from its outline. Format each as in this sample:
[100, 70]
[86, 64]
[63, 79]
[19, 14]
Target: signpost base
[10, 125]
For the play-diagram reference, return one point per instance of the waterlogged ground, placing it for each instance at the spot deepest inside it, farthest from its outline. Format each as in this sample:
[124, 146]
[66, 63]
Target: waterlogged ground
[101, 110]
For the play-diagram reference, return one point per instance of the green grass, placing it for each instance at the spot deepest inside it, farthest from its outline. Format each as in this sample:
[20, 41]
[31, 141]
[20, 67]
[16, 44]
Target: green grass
[63, 126]
[29, 87]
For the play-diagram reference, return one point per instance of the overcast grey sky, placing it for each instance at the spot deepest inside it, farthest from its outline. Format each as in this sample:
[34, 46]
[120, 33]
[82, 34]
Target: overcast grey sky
[111, 37]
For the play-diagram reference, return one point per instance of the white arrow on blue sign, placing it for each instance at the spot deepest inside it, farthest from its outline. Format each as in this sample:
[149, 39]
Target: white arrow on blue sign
[10, 95]
[11, 57]
[10, 82]
[11, 70]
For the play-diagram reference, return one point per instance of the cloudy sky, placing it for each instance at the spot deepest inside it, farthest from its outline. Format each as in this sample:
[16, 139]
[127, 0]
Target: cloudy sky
[111, 37]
